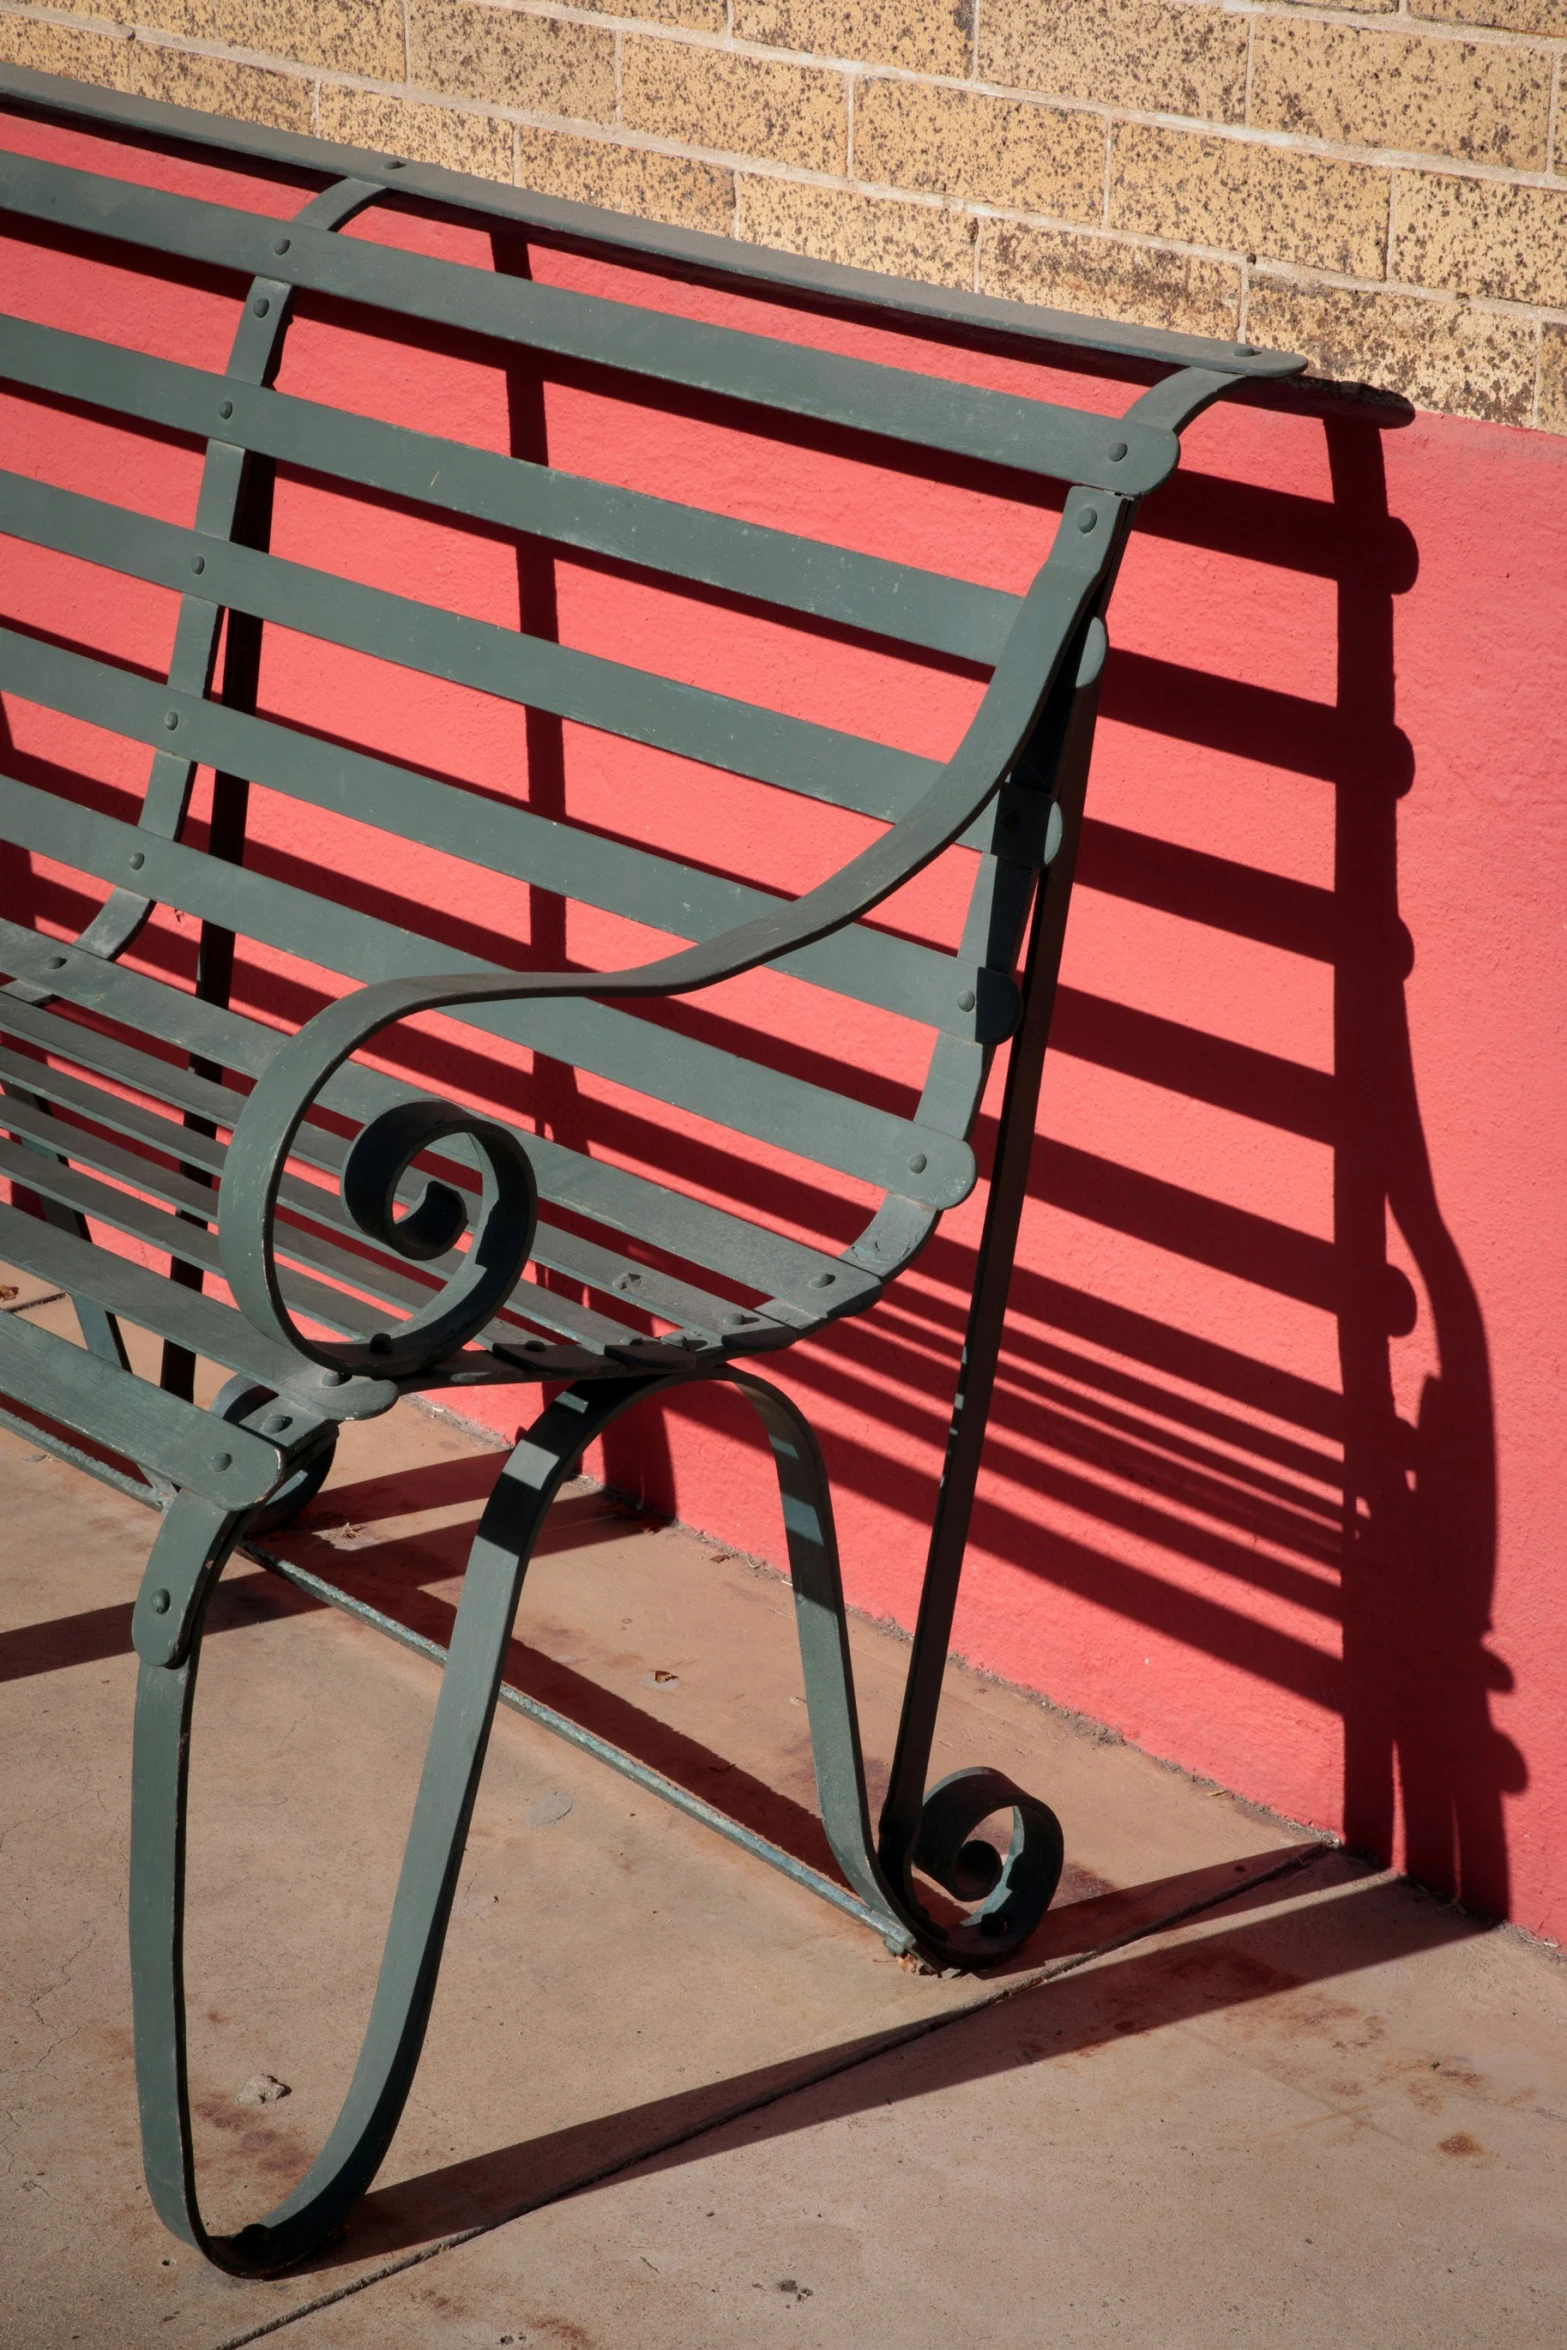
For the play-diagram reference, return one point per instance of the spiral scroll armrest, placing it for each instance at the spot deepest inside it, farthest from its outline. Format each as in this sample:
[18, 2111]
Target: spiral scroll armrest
[1049, 624]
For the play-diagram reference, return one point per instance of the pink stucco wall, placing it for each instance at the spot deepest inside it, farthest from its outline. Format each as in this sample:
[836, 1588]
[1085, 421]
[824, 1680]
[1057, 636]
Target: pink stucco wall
[1274, 1481]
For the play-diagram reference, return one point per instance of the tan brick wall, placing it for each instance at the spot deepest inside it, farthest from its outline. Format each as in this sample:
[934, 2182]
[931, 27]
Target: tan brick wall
[1382, 185]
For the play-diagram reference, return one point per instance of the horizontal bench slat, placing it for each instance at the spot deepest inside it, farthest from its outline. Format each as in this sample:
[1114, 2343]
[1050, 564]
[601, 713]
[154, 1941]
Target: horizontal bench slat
[767, 566]
[866, 964]
[187, 1317]
[375, 1273]
[831, 1129]
[1032, 436]
[734, 736]
[678, 251]
[556, 1250]
[225, 1464]
[787, 1271]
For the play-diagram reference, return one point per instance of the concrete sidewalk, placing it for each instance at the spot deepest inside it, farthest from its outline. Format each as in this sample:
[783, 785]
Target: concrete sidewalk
[1245, 2089]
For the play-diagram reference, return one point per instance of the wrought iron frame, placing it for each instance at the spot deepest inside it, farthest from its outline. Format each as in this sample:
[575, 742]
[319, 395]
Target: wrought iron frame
[1014, 790]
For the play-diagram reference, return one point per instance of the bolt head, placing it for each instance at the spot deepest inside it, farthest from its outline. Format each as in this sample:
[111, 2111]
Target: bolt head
[160, 1603]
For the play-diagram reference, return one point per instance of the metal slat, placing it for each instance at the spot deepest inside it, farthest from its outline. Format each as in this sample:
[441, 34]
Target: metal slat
[644, 1286]
[830, 1129]
[861, 962]
[372, 1272]
[1031, 436]
[808, 1281]
[530, 671]
[174, 1236]
[909, 606]
[226, 1464]
[133, 1294]
[691, 253]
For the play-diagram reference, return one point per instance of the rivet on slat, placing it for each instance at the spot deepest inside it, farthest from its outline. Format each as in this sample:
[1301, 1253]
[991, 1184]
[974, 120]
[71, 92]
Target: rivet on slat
[1117, 451]
[334, 1378]
[54, 963]
[160, 1599]
[220, 1461]
[276, 1423]
[281, 245]
[966, 1000]
[198, 563]
[261, 306]
[225, 407]
[823, 1280]
[1088, 519]
[171, 719]
[397, 163]
[138, 859]
[918, 1163]
[381, 1343]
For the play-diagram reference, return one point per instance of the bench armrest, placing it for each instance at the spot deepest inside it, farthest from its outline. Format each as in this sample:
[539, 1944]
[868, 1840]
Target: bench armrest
[1049, 624]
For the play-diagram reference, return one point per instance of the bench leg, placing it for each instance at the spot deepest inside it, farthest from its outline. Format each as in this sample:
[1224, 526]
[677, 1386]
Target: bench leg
[1012, 1894]
[192, 1547]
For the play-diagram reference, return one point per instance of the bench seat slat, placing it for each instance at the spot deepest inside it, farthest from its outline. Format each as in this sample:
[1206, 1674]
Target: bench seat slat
[1033, 436]
[186, 1317]
[558, 1251]
[115, 1408]
[372, 1270]
[862, 962]
[831, 1129]
[865, 592]
[806, 1280]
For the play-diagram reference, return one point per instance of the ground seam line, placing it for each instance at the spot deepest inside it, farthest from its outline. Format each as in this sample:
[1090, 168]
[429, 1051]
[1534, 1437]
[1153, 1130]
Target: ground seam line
[902, 2038]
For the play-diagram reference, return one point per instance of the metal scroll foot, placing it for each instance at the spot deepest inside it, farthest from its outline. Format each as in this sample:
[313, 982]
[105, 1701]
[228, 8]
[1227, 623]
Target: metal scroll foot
[194, 1542]
[1012, 1892]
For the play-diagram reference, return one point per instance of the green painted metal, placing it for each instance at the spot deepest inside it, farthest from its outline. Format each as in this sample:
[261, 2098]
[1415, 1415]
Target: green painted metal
[770, 566]
[1064, 444]
[976, 319]
[374, 1239]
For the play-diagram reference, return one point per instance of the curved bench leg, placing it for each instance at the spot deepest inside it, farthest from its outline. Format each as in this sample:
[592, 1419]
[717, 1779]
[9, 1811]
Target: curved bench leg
[194, 1544]
[1012, 1894]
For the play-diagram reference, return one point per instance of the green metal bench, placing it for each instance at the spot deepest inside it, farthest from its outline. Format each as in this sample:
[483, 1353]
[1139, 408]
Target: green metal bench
[351, 1279]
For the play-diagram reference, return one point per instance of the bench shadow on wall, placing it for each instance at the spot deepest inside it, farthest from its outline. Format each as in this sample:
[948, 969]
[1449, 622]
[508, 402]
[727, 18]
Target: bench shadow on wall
[1404, 1514]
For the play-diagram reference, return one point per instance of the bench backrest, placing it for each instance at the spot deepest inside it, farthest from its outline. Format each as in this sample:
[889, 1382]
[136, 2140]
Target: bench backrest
[394, 515]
